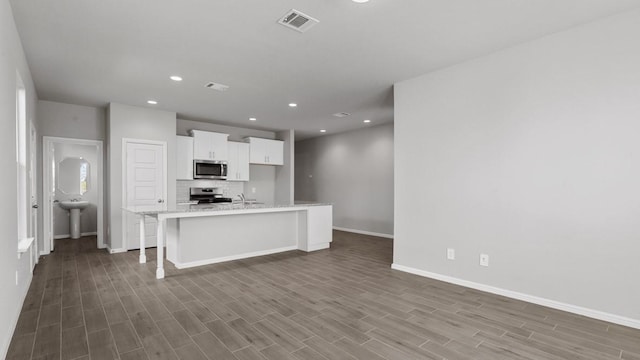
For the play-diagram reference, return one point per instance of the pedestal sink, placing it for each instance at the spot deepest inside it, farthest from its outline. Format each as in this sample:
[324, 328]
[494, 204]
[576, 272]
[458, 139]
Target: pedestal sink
[74, 208]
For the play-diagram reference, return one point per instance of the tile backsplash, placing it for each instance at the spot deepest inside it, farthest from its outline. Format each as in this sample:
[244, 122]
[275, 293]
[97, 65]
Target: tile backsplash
[228, 188]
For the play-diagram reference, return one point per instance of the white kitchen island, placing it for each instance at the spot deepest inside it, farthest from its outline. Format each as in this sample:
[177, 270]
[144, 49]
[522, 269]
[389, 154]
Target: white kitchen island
[197, 235]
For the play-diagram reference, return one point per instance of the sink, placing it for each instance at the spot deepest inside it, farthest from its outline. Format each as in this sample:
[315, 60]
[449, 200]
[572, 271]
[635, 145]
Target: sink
[74, 208]
[69, 205]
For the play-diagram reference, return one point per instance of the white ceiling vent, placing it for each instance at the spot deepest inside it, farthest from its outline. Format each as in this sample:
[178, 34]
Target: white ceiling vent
[341, 114]
[216, 86]
[298, 21]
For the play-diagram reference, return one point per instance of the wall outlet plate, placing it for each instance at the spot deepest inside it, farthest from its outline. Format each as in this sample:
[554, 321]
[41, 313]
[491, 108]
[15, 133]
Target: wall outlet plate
[484, 260]
[451, 254]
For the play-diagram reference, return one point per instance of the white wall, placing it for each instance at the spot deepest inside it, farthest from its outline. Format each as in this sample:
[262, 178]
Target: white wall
[12, 60]
[125, 121]
[531, 156]
[354, 172]
[88, 216]
[70, 121]
[285, 174]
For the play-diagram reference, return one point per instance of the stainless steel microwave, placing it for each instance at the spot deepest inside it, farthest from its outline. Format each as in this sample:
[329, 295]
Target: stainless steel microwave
[210, 169]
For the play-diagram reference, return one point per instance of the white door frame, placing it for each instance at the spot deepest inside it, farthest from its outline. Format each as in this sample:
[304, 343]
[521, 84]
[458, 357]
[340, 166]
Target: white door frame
[47, 202]
[125, 142]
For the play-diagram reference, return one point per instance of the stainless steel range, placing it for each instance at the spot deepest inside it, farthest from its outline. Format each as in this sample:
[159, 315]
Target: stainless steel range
[207, 195]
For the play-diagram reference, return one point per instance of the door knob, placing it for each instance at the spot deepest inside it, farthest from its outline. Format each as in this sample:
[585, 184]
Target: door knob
[34, 206]
[160, 201]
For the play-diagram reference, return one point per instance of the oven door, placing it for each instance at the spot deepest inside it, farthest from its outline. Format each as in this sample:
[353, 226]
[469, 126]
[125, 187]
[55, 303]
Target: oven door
[206, 169]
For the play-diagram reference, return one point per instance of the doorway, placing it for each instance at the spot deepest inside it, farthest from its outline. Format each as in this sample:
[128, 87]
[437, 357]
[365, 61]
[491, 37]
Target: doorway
[73, 179]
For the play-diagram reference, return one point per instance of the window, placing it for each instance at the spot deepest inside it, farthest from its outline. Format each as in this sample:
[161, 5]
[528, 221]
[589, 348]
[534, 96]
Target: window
[21, 157]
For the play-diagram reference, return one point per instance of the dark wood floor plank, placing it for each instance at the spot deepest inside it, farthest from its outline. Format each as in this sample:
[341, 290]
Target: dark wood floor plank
[156, 347]
[101, 345]
[250, 334]
[190, 352]
[125, 337]
[74, 343]
[47, 341]
[212, 347]
[21, 347]
[248, 353]
[342, 303]
[189, 322]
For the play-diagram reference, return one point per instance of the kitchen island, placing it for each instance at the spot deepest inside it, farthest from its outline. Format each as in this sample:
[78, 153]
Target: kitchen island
[197, 235]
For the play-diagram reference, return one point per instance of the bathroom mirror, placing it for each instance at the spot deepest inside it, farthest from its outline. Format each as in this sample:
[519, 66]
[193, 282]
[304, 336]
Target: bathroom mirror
[74, 176]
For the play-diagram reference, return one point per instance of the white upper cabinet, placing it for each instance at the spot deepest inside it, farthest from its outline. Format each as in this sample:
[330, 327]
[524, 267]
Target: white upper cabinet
[184, 158]
[209, 145]
[266, 151]
[238, 166]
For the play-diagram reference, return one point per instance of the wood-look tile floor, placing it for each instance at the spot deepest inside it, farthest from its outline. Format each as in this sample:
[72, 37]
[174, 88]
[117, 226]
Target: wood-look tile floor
[342, 303]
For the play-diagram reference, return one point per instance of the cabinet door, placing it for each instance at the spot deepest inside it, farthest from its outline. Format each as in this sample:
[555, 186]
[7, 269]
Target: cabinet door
[275, 152]
[232, 162]
[219, 148]
[238, 163]
[209, 145]
[184, 158]
[257, 150]
[243, 162]
[202, 145]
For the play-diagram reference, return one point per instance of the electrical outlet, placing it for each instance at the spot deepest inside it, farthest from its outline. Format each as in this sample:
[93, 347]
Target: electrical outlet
[484, 260]
[253, 190]
[451, 254]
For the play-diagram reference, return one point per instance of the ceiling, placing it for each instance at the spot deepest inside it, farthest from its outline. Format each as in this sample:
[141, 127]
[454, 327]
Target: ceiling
[96, 52]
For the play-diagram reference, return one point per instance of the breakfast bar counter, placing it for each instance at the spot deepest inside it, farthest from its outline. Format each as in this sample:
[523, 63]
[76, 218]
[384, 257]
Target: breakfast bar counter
[197, 235]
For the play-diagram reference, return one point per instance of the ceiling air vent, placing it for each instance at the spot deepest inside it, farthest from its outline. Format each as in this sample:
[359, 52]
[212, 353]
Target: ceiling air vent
[341, 114]
[216, 86]
[298, 21]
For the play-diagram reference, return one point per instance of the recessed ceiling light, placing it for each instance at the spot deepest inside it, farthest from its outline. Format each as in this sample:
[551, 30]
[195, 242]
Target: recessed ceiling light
[253, 119]
[293, 105]
[360, 1]
[175, 78]
[367, 121]
[323, 131]
[152, 102]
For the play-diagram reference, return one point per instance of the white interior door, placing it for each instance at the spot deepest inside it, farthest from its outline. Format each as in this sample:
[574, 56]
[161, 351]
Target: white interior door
[145, 188]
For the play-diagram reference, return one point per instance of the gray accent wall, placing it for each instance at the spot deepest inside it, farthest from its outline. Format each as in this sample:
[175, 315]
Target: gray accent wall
[529, 155]
[15, 274]
[354, 172]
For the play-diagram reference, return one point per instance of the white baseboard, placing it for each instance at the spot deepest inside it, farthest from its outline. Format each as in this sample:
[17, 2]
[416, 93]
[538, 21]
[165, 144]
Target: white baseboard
[316, 247]
[595, 314]
[388, 236]
[233, 257]
[115, 251]
[66, 236]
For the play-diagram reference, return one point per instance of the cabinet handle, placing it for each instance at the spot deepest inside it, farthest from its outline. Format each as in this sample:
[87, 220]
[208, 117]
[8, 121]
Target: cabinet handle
[214, 155]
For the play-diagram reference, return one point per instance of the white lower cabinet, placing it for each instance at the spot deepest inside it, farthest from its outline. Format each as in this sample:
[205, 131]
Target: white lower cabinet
[184, 158]
[238, 163]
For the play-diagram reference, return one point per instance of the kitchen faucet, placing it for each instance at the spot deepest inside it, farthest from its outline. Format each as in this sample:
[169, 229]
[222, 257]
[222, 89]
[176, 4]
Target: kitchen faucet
[241, 196]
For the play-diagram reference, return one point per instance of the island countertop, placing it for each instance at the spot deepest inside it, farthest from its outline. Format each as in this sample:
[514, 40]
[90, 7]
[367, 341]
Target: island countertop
[179, 210]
